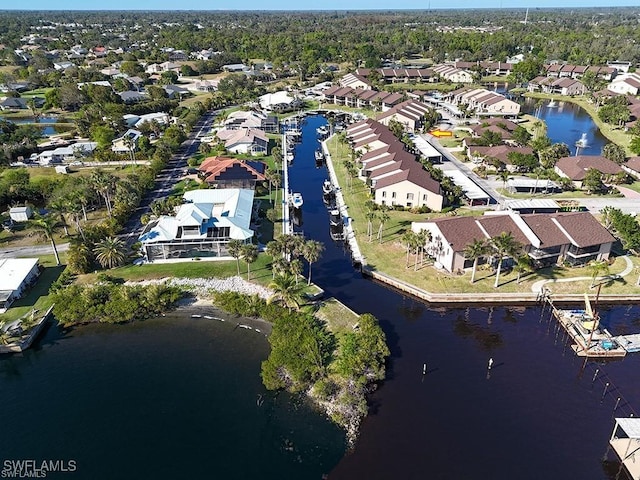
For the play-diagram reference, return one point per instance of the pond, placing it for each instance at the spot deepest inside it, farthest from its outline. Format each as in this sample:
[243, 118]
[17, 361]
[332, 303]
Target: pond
[47, 123]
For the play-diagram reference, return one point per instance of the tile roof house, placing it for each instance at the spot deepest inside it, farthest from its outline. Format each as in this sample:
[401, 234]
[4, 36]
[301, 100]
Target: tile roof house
[626, 84]
[409, 113]
[202, 227]
[632, 166]
[222, 172]
[393, 174]
[246, 140]
[572, 237]
[575, 168]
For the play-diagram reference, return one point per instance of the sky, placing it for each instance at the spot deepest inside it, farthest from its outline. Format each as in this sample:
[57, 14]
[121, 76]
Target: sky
[304, 4]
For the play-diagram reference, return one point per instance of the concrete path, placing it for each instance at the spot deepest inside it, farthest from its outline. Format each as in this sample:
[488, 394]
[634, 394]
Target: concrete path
[537, 286]
[627, 192]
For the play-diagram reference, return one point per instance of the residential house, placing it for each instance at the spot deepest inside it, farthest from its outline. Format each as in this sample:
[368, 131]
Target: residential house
[453, 74]
[252, 141]
[394, 175]
[479, 154]
[72, 152]
[548, 239]
[126, 142]
[409, 113]
[131, 96]
[16, 276]
[626, 84]
[202, 227]
[20, 214]
[575, 168]
[355, 81]
[235, 67]
[281, 98]
[412, 187]
[176, 92]
[632, 166]
[222, 172]
[243, 119]
[13, 103]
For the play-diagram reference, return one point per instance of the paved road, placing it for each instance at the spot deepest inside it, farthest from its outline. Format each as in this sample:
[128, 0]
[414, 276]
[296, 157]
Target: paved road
[31, 251]
[168, 177]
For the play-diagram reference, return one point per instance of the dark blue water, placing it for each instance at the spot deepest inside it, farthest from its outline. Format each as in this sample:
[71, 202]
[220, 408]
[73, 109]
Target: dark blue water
[566, 123]
[167, 398]
[538, 415]
[176, 397]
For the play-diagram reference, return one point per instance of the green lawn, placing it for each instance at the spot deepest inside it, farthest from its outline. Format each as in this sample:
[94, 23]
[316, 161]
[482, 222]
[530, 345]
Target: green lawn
[389, 256]
[338, 317]
[38, 297]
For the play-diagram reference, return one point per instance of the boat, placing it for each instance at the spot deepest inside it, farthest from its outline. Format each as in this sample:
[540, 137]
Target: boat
[319, 157]
[336, 225]
[296, 200]
[329, 199]
[327, 187]
[322, 132]
[334, 217]
[289, 157]
[589, 338]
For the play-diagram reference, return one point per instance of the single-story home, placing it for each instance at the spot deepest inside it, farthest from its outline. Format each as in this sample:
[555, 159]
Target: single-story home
[202, 227]
[16, 275]
[575, 168]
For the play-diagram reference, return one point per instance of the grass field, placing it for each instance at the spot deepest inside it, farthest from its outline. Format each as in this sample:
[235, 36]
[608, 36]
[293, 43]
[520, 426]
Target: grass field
[389, 254]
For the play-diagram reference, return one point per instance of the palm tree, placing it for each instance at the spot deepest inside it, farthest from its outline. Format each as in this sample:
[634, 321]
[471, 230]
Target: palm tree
[523, 264]
[370, 215]
[597, 268]
[505, 246]
[286, 291]
[47, 226]
[383, 216]
[105, 184]
[410, 240]
[110, 252]
[130, 143]
[249, 254]
[475, 250]
[311, 252]
[234, 247]
[504, 176]
[422, 238]
[59, 206]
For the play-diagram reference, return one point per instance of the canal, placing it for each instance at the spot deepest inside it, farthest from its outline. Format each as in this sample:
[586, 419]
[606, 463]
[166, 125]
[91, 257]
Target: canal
[537, 414]
[181, 397]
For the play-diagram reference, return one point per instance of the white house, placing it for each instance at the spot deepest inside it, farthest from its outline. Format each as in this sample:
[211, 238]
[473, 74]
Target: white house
[128, 140]
[20, 214]
[16, 275]
[626, 84]
[252, 141]
[202, 227]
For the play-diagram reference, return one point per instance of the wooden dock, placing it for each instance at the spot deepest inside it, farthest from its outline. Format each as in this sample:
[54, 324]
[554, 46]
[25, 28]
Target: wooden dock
[625, 441]
[589, 340]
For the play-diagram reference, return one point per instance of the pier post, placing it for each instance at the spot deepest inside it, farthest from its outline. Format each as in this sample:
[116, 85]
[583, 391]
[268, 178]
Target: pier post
[424, 369]
[490, 363]
[595, 375]
[604, 392]
[617, 403]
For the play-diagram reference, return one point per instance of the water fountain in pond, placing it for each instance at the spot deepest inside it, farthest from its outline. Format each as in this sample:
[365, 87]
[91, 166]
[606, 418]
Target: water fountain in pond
[582, 143]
